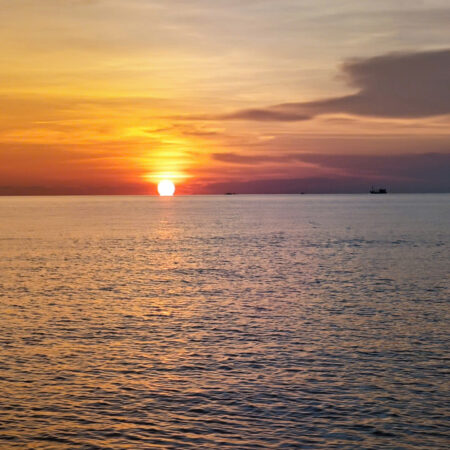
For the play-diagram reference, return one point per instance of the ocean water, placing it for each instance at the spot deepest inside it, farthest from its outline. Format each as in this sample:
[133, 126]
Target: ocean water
[225, 322]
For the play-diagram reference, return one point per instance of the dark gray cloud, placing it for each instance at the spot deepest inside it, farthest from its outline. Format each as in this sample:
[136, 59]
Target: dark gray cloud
[415, 169]
[426, 166]
[324, 185]
[395, 85]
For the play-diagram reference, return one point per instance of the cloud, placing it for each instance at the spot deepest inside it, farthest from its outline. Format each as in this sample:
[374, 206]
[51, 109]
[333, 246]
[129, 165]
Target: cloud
[339, 184]
[427, 167]
[397, 85]
[234, 158]
[267, 115]
[408, 166]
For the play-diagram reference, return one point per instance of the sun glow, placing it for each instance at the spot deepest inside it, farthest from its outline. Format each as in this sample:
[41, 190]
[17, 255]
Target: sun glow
[166, 188]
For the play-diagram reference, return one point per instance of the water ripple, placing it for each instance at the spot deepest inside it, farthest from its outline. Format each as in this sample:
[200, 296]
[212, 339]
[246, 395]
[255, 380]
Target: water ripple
[261, 322]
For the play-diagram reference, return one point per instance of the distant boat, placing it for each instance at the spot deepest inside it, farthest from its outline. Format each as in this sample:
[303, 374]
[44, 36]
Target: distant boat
[230, 193]
[378, 191]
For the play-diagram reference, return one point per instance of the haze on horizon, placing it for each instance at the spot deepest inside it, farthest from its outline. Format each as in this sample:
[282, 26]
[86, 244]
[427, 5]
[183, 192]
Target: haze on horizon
[110, 96]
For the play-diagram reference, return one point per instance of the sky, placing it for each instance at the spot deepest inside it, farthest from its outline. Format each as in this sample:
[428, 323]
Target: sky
[254, 96]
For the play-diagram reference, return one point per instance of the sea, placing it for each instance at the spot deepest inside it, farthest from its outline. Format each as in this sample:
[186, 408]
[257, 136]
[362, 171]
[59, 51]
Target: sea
[215, 322]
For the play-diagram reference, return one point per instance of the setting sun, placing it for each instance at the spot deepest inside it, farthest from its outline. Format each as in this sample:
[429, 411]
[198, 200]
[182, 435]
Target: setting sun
[166, 188]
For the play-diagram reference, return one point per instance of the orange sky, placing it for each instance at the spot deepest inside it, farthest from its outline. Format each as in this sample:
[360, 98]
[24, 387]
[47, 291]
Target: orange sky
[108, 97]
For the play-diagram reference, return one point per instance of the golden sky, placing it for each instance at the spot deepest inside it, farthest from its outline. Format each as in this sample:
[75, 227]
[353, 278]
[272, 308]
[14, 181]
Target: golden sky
[110, 96]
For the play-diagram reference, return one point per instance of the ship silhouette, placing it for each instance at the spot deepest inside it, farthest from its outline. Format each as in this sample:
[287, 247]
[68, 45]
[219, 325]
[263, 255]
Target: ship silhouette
[378, 191]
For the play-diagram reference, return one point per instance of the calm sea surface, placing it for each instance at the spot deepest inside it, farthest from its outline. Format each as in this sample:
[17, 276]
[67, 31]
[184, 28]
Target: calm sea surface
[219, 322]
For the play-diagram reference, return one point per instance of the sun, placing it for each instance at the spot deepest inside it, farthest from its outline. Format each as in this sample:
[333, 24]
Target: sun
[166, 188]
